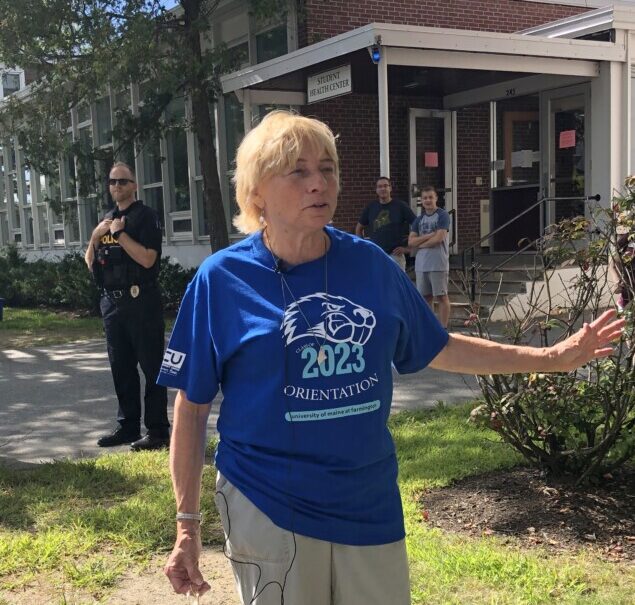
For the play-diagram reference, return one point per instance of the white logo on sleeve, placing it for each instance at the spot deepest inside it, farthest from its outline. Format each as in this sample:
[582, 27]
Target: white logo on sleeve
[172, 362]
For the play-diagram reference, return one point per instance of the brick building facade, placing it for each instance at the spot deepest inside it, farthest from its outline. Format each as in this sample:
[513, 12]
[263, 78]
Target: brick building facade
[355, 117]
[497, 104]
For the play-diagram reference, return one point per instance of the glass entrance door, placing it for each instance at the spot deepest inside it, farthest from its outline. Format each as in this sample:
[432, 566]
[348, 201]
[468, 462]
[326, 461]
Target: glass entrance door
[433, 158]
[567, 149]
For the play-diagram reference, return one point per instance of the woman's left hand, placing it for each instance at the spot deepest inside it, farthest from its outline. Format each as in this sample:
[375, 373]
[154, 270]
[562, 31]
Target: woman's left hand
[591, 341]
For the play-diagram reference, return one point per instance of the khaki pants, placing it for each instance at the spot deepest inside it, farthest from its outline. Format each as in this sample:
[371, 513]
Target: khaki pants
[266, 558]
[400, 259]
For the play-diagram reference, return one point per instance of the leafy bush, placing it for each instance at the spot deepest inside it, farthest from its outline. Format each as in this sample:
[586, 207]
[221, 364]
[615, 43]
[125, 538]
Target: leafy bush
[173, 280]
[579, 422]
[68, 284]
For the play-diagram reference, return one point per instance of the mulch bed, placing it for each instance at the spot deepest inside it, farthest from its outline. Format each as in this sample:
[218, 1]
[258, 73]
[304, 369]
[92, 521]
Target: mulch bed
[527, 506]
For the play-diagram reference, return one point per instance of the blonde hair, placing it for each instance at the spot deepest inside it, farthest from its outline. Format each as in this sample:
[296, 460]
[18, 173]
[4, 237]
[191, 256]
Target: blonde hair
[268, 150]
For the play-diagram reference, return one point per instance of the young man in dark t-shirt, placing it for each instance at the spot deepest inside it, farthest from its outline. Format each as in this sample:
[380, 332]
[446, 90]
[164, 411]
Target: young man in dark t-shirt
[386, 222]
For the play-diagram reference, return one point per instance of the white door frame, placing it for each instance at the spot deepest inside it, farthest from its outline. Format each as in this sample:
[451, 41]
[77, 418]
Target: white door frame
[547, 125]
[449, 130]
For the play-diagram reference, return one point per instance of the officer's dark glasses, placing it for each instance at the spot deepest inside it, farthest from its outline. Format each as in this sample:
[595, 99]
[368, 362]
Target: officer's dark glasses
[122, 182]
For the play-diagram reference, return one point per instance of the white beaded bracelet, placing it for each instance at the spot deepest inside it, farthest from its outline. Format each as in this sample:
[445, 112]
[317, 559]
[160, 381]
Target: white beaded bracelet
[189, 517]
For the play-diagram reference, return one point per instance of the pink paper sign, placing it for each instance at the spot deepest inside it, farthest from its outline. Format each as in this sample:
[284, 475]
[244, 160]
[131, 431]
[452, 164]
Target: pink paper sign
[567, 139]
[431, 159]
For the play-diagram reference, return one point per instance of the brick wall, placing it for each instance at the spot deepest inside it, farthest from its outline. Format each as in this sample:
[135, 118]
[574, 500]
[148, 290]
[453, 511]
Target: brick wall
[355, 117]
[472, 161]
[327, 18]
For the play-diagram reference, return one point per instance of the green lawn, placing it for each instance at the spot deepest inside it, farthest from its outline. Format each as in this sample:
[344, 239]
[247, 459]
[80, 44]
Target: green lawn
[82, 524]
[24, 328]
[438, 447]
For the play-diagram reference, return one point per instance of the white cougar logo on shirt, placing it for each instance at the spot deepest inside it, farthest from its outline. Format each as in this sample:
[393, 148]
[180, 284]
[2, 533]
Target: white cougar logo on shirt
[342, 320]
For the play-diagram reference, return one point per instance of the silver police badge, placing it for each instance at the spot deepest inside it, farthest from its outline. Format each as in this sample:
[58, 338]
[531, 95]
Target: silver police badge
[134, 291]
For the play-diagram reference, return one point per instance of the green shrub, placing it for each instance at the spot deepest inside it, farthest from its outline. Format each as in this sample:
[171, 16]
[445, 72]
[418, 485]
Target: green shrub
[67, 284]
[75, 287]
[173, 280]
[578, 423]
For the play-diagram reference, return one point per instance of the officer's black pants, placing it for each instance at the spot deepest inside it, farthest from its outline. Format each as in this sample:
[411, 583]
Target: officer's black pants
[135, 335]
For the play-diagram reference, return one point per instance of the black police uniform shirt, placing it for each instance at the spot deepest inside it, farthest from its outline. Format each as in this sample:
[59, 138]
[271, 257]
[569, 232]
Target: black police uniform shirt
[388, 224]
[113, 267]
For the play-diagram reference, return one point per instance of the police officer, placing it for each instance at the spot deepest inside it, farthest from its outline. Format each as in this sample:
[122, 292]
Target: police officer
[124, 255]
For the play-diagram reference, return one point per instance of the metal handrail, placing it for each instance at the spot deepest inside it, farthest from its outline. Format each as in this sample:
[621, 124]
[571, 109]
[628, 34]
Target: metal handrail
[472, 249]
[452, 214]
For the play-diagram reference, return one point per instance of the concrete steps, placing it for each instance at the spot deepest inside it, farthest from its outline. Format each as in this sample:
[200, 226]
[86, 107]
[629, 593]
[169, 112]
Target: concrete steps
[494, 286]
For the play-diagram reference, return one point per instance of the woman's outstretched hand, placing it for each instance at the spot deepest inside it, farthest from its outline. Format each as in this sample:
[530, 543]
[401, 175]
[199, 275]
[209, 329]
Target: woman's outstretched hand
[590, 342]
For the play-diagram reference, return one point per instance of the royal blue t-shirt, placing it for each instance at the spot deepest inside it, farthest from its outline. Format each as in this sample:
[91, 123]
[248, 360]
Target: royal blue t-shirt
[305, 438]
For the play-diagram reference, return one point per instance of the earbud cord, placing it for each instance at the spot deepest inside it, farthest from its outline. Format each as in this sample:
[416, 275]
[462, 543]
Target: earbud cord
[282, 586]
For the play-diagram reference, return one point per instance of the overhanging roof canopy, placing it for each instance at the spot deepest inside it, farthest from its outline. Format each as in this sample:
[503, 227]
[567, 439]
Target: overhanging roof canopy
[440, 47]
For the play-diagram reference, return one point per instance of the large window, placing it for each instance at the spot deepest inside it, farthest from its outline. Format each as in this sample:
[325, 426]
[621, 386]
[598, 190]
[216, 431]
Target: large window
[71, 220]
[177, 157]
[234, 132]
[13, 197]
[154, 199]
[102, 170]
[123, 152]
[251, 40]
[11, 156]
[26, 183]
[103, 122]
[70, 214]
[517, 159]
[83, 113]
[271, 43]
[51, 196]
[28, 220]
[203, 218]
[238, 55]
[87, 168]
[10, 83]
[152, 162]
[3, 193]
[4, 228]
[43, 223]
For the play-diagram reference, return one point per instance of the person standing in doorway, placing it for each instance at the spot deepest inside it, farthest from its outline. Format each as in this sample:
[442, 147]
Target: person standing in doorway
[429, 236]
[385, 221]
[124, 255]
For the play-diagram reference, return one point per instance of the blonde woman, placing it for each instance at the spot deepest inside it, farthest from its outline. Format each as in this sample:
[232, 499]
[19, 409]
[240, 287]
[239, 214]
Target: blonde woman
[299, 325]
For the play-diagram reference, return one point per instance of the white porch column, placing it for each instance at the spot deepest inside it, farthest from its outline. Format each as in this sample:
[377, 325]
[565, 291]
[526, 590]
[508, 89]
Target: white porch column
[608, 138]
[382, 97]
[629, 100]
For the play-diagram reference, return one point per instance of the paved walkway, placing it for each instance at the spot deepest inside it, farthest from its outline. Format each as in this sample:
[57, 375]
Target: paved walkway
[56, 401]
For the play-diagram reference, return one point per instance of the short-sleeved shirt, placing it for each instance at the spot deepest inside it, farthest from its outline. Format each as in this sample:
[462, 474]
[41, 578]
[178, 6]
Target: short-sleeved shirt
[305, 439]
[387, 223]
[118, 269]
[436, 258]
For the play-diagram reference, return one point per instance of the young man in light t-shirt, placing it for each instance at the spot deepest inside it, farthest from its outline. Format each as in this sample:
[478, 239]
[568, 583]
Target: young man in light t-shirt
[429, 236]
